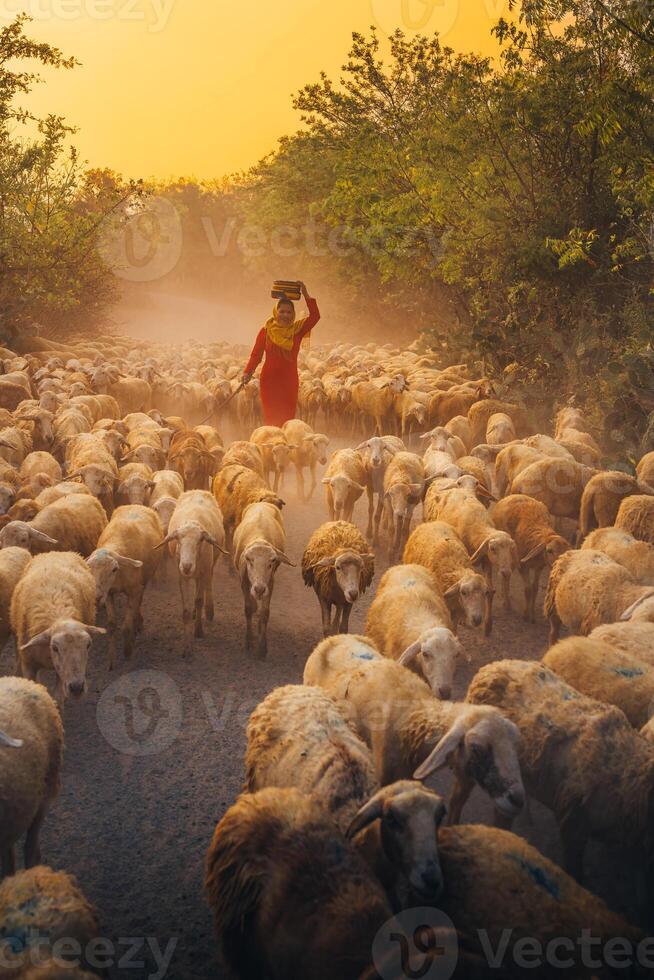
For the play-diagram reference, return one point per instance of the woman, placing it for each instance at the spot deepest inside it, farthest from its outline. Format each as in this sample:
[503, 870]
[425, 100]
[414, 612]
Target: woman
[280, 340]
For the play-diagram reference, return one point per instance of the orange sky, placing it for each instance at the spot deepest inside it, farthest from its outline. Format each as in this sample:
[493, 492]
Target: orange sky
[203, 87]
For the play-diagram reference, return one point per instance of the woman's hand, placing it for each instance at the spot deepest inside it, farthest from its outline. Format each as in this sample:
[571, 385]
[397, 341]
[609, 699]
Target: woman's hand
[304, 290]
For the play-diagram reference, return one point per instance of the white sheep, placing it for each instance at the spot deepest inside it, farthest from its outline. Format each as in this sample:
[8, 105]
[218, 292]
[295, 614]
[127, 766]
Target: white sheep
[197, 536]
[31, 751]
[298, 737]
[124, 562]
[410, 622]
[411, 733]
[53, 617]
[337, 565]
[344, 481]
[259, 550]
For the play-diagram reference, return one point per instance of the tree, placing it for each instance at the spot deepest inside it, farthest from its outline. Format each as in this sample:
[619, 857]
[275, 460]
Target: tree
[50, 208]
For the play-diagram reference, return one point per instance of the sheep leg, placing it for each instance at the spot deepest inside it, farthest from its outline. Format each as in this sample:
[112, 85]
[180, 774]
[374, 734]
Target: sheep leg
[463, 787]
[262, 616]
[314, 482]
[378, 517]
[326, 610]
[535, 583]
[132, 617]
[506, 592]
[249, 606]
[344, 625]
[300, 484]
[32, 850]
[330, 503]
[555, 627]
[198, 610]
[276, 483]
[186, 588]
[7, 861]
[371, 510]
[209, 610]
[488, 616]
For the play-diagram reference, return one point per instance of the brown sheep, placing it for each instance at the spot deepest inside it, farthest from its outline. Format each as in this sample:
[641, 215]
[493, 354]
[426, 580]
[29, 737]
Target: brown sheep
[31, 751]
[601, 499]
[235, 488]
[531, 526]
[636, 515]
[594, 668]
[437, 547]
[339, 568]
[275, 854]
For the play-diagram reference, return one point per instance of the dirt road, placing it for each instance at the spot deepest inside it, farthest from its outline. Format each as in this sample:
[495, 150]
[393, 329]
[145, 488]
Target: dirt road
[154, 758]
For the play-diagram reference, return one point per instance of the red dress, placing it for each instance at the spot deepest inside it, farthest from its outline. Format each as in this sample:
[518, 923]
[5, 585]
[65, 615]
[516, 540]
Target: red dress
[279, 377]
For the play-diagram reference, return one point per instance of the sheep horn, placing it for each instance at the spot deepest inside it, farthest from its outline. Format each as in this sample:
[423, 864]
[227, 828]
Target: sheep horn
[11, 743]
[369, 812]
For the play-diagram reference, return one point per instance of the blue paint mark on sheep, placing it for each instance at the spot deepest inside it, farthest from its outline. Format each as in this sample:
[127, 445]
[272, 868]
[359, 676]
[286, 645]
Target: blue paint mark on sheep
[628, 671]
[539, 875]
[361, 653]
[410, 583]
[569, 695]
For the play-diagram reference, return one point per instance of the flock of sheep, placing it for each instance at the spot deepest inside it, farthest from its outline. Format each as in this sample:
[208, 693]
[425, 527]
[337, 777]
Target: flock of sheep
[114, 469]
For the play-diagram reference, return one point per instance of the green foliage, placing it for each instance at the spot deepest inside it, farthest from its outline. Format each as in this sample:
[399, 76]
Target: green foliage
[50, 208]
[507, 207]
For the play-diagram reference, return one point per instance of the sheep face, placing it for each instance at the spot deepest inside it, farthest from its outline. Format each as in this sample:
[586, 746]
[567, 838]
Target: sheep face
[136, 489]
[99, 481]
[348, 569]
[148, 455]
[501, 552]
[409, 816]
[7, 498]
[404, 498]
[19, 534]
[282, 456]
[436, 652]
[483, 747]
[114, 442]
[470, 595]
[377, 452]
[190, 538]
[69, 643]
[258, 565]
[342, 488]
[105, 566]
[48, 401]
[164, 508]
[320, 446]
[554, 549]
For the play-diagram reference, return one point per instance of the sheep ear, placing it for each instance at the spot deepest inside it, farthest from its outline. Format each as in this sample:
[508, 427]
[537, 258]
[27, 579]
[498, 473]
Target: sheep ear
[326, 481]
[284, 559]
[534, 553]
[129, 562]
[9, 742]
[357, 486]
[169, 537]
[325, 562]
[95, 630]
[43, 538]
[462, 652]
[209, 538]
[485, 492]
[410, 654]
[480, 552]
[38, 640]
[452, 591]
[369, 812]
[440, 754]
[364, 445]
[628, 613]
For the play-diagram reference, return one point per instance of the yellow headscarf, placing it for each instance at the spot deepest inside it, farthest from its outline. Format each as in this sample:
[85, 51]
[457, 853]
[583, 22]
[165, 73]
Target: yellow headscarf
[283, 335]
